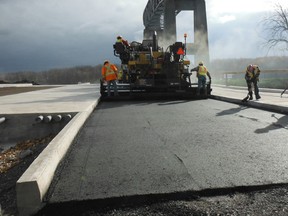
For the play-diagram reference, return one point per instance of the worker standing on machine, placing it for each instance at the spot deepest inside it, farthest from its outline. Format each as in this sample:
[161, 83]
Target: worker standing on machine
[252, 77]
[120, 39]
[109, 74]
[124, 56]
[202, 71]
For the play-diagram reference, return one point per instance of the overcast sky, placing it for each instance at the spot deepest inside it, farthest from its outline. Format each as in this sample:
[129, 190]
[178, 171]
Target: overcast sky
[39, 35]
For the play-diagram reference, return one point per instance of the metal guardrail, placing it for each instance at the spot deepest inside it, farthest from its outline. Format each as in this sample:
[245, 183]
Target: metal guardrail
[262, 71]
[228, 75]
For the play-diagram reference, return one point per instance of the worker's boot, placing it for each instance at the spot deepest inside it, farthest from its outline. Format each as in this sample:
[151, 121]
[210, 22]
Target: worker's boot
[250, 96]
[258, 96]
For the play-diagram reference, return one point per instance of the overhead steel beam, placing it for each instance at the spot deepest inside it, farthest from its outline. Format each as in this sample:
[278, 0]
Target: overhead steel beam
[160, 16]
[152, 14]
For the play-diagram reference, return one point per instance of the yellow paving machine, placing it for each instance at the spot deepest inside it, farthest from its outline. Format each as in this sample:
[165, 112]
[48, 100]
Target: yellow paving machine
[147, 70]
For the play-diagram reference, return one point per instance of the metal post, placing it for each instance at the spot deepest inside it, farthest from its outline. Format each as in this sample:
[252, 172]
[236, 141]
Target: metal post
[170, 22]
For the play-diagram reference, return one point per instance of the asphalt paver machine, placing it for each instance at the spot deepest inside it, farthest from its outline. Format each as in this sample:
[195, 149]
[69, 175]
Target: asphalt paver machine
[149, 71]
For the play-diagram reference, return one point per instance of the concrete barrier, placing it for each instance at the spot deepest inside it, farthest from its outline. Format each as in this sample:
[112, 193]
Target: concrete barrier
[34, 183]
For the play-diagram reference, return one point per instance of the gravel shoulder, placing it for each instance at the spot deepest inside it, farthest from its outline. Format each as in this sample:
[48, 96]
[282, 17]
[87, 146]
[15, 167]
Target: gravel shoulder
[12, 166]
[15, 161]
[264, 202]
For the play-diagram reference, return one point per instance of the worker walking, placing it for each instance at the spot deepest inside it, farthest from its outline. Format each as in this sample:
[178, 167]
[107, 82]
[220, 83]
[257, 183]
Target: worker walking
[202, 71]
[109, 74]
[252, 78]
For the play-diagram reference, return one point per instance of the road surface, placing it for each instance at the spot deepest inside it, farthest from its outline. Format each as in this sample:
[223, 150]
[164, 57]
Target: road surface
[163, 147]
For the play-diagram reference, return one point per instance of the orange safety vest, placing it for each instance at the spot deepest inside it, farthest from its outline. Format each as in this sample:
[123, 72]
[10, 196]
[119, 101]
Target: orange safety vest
[202, 71]
[109, 72]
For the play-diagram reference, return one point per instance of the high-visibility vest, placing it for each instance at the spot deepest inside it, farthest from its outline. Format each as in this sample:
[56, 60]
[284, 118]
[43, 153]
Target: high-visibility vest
[202, 71]
[120, 75]
[109, 72]
[124, 42]
[253, 71]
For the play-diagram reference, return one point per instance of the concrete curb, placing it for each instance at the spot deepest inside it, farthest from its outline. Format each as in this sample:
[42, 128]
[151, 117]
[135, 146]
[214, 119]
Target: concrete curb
[253, 104]
[245, 88]
[34, 183]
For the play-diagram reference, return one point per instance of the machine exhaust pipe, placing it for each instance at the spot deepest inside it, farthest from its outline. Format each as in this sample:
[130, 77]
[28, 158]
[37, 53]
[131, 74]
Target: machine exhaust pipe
[155, 42]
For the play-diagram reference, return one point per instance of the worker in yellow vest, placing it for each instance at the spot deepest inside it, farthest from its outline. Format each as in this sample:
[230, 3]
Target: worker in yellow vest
[202, 72]
[120, 76]
[252, 78]
[120, 39]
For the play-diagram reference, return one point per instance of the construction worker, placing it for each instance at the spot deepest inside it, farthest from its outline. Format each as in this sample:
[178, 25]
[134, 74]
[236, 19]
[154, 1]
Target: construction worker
[121, 48]
[120, 76]
[109, 74]
[252, 78]
[202, 71]
[122, 40]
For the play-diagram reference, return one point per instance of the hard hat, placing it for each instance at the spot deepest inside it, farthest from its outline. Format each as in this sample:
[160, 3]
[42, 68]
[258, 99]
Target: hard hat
[250, 67]
[106, 61]
[119, 37]
[201, 63]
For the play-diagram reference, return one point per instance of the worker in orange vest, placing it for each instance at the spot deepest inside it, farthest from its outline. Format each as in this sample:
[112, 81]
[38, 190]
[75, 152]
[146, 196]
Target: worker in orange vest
[109, 74]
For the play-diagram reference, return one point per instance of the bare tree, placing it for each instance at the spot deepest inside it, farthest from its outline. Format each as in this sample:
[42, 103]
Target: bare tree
[276, 28]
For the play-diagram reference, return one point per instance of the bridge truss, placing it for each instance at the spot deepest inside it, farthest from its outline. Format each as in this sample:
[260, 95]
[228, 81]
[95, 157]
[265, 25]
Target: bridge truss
[160, 16]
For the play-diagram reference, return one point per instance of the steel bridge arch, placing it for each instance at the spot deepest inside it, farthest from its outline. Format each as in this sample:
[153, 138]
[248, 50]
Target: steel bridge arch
[160, 16]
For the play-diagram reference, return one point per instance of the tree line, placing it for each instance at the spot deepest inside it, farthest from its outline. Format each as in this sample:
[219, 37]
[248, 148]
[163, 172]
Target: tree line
[56, 76]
